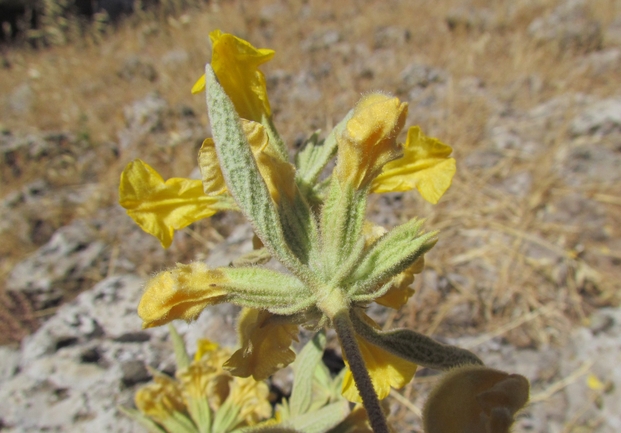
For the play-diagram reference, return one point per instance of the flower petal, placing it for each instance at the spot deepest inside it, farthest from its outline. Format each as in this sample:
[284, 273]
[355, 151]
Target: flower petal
[180, 293]
[213, 180]
[425, 165]
[368, 141]
[400, 292]
[252, 398]
[279, 175]
[160, 398]
[386, 370]
[235, 63]
[265, 345]
[159, 207]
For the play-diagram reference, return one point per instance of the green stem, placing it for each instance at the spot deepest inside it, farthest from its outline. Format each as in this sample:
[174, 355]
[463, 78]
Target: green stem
[345, 331]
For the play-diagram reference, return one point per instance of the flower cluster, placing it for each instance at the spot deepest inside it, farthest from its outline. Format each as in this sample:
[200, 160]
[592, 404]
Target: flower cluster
[337, 262]
[203, 397]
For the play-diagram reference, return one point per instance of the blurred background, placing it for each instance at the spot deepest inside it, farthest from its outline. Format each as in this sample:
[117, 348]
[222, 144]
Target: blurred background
[528, 94]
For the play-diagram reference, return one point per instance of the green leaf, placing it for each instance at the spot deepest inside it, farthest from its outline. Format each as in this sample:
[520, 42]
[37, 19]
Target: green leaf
[387, 257]
[181, 354]
[304, 368]
[341, 226]
[146, 422]
[415, 347]
[299, 226]
[316, 154]
[253, 258]
[321, 420]
[200, 412]
[266, 429]
[242, 175]
[226, 417]
[266, 289]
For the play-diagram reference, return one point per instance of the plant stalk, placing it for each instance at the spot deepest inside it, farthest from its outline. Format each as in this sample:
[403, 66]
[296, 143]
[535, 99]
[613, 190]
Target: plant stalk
[345, 331]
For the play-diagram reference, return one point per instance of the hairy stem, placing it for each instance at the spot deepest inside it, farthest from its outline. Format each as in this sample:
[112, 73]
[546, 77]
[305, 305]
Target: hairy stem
[345, 331]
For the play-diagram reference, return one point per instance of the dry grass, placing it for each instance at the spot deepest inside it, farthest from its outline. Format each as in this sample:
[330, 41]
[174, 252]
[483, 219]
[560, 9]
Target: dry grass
[487, 277]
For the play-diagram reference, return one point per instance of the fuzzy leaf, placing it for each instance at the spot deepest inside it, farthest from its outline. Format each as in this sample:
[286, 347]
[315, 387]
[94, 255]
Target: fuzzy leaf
[321, 420]
[305, 365]
[243, 179]
[316, 154]
[182, 358]
[387, 257]
[341, 226]
[415, 347]
[145, 421]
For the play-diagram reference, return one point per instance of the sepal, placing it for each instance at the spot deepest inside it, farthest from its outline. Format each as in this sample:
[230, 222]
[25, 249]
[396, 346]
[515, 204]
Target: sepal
[390, 255]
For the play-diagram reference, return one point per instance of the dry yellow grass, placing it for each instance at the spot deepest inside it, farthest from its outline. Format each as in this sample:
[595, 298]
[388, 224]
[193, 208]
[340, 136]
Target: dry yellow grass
[78, 87]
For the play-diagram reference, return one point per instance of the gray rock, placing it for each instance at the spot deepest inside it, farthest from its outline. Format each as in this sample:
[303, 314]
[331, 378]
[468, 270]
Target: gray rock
[142, 117]
[390, 37]
[601, 62]
[601, 117]
[320, 39]
[136, 67]
[420, 75]
[59, 267]
[21, 99]
[598, 409]
[175, 58]
[569, 26]
[589, 163]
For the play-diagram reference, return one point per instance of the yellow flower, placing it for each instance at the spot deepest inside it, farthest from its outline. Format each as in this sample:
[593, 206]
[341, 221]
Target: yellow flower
[205, 377]
[425, 165]
[386, 370]
[180, 293]
[475, 399]
[213, 180]
[252, 399]
[160, 399]
[235, 63]
[369, 139]
[159, 207]
[397, 296]
[278, 175]
[265, 345]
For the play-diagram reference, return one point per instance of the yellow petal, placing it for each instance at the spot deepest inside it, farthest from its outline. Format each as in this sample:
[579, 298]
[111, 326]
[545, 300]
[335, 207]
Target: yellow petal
[594, 383]
[213, 180]
[265, 345]
[159, 207]
[199, 86]
[235, 63]
[369, 139]
[386, 371]
[398, 295]
[478, 399]
[205, 347]
[180, 293]
[252, 398]
[279, 175]
[195, 379]
[160, 398]
[425, 165]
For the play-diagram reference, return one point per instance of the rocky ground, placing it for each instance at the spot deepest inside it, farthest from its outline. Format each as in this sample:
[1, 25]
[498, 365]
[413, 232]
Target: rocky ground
[527, 270]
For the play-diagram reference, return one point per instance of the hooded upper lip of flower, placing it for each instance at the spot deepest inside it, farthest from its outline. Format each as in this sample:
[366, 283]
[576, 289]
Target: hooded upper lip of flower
[235, 63]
